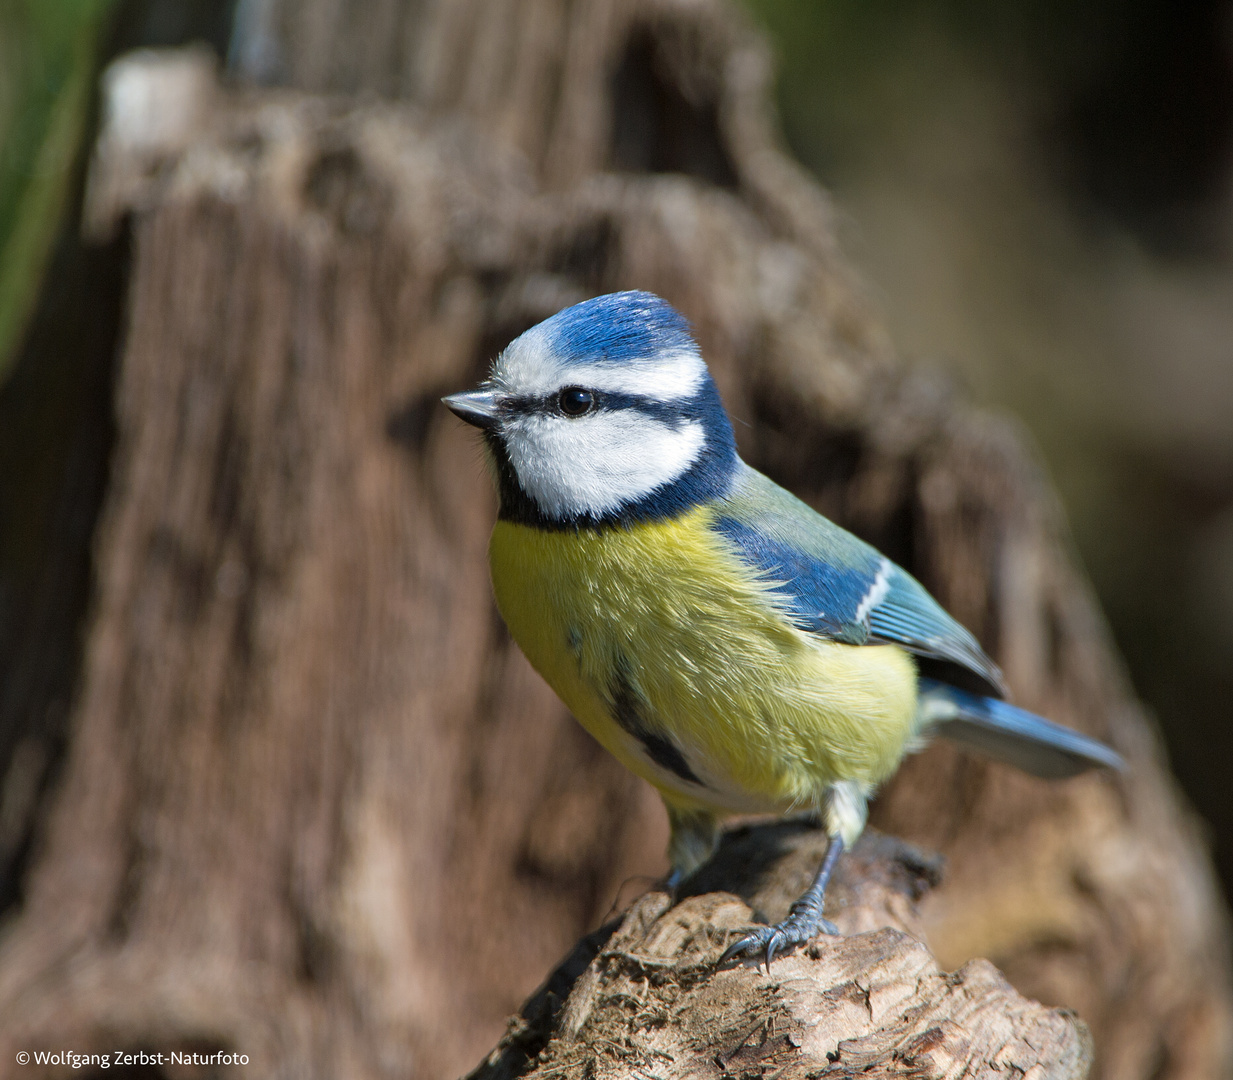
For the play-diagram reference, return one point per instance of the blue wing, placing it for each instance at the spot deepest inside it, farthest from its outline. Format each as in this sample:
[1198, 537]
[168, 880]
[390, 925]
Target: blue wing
[834, 584]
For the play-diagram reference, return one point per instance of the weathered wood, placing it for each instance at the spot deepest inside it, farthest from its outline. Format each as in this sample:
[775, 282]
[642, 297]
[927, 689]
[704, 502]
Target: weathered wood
[317, 808]
[644, 996]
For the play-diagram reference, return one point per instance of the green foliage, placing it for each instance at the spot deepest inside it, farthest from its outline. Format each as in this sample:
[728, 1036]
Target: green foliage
[47, 69]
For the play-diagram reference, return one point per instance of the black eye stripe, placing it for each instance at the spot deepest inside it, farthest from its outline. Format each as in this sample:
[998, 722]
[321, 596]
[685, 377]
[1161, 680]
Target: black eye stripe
[528, 404]
[673, 414]
[531, 404]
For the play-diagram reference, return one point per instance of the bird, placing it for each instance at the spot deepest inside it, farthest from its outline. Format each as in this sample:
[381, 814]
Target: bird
[718, 636]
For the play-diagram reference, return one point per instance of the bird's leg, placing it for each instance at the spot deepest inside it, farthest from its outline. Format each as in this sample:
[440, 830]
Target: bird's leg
[695, 835]
[803, 922]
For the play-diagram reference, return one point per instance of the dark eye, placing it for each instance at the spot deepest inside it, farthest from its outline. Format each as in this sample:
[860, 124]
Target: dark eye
[575, 401]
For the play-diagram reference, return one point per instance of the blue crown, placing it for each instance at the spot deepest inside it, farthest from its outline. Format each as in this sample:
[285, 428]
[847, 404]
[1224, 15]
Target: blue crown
[618, 326]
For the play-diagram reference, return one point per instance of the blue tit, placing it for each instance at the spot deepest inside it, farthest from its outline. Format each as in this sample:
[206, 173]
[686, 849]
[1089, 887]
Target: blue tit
[719, 637]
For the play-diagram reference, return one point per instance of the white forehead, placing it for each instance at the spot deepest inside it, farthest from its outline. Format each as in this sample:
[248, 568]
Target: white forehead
[530, 366]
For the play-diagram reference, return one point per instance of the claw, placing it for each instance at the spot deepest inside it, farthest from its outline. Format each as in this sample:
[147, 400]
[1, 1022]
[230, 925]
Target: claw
[774, 941]
[803, 922]
[770, 952]
[746, 944]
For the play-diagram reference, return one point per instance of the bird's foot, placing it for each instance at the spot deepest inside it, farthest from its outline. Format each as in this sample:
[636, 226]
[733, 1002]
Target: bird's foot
[803, 922]
[770, 941]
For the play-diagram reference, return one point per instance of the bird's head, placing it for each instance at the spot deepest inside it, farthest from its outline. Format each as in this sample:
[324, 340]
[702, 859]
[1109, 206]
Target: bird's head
[603, 413]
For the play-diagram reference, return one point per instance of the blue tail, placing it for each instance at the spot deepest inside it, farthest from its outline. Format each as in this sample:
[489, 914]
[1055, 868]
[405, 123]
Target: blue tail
[1016, 736]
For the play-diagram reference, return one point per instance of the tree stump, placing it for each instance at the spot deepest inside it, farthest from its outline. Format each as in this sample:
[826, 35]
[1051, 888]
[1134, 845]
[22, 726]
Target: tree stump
[643, 995]
[316, 807]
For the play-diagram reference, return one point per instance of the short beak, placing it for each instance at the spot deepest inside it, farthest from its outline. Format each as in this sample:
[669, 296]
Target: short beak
[478, 407]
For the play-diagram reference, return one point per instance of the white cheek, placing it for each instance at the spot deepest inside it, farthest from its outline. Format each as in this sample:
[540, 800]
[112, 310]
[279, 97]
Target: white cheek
[597, 463]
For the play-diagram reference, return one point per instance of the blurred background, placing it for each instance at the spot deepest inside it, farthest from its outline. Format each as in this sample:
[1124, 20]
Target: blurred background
[1040, 197]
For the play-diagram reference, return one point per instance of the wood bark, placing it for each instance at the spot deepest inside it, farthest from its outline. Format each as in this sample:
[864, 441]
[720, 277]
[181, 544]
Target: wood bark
[644, 995]
[316, 806]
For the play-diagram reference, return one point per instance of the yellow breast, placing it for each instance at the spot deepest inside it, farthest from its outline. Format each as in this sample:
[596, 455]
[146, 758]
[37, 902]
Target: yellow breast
[660, 627]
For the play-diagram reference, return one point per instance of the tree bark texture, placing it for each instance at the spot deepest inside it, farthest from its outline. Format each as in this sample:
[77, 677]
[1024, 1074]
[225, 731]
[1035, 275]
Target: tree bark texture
[316, 807]
[644, 996]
